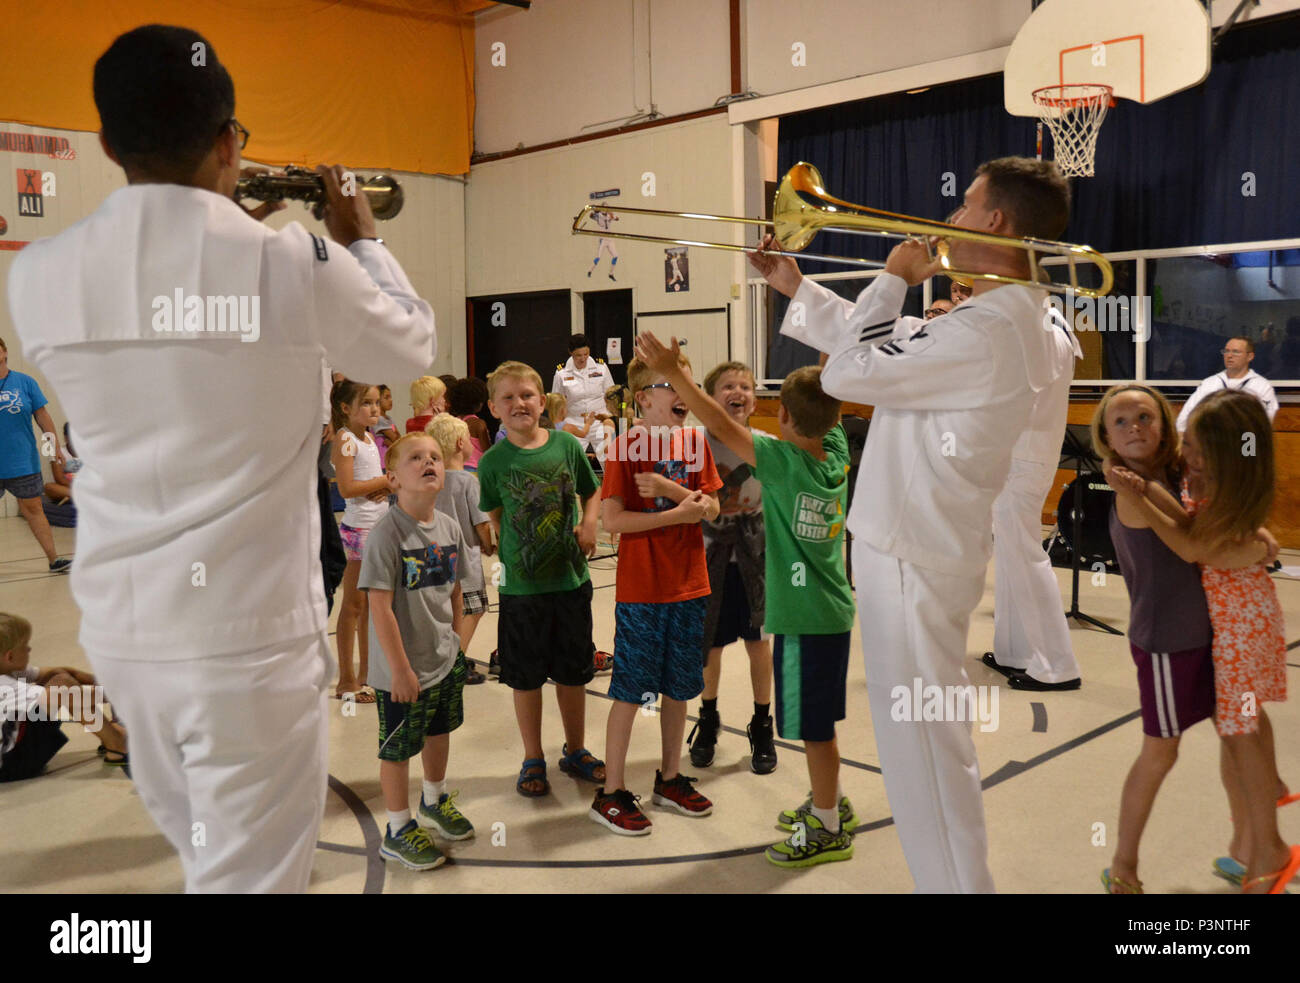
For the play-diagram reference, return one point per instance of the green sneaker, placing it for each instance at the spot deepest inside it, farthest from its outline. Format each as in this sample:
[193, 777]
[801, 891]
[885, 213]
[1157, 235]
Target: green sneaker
[848, 819]
[412, 847]
[445, 819]
[811, 843]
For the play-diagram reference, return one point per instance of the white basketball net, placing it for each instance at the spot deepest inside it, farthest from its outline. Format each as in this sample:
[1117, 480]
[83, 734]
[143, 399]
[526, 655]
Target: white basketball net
[1074, 114]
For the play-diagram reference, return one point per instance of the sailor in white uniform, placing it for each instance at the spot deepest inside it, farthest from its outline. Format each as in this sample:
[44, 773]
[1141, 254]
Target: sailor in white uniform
[950, 399]
[583, 381]
[1238, 353]
[173, 326]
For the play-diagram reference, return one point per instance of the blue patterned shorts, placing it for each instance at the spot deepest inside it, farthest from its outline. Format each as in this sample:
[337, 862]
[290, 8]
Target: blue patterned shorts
[658, 648]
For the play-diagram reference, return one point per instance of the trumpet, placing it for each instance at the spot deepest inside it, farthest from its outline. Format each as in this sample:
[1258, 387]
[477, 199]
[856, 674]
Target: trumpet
[299, 184]
[803, 207]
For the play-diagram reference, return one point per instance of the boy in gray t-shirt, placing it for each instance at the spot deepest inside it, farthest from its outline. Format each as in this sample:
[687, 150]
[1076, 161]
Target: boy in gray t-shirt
[411, 569]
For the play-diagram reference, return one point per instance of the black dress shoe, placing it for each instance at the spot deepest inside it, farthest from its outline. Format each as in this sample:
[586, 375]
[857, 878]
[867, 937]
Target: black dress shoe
[1022, 680]
[997, 666]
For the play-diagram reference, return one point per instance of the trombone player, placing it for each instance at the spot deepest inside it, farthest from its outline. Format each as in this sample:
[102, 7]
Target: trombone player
[951, 398]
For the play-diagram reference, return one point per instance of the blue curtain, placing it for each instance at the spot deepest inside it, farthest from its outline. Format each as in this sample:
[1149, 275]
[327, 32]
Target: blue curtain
[1169, 174]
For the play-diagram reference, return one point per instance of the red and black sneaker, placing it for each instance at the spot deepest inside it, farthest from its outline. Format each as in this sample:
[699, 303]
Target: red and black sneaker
[618, 810]
[677, 793]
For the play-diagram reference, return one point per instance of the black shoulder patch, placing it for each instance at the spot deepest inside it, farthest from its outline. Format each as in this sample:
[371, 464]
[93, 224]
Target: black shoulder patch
[319, 245]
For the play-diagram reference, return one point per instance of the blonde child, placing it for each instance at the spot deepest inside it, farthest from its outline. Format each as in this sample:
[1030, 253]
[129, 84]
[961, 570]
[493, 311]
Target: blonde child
[32, 701]
[1169, 623]
[1227, 492]
[428, 399]
[557, 408]
[459, 499]
[412, 570]
[734, 544]
[354, 409]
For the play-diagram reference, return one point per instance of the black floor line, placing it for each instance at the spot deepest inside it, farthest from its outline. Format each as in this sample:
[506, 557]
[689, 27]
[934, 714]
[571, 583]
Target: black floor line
[1013, 768]
[356, 851]
[1293, 645]
[1040, 717]
[370, 834]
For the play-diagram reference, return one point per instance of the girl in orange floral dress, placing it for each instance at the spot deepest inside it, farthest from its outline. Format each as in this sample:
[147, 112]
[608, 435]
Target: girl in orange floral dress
[1228, 449]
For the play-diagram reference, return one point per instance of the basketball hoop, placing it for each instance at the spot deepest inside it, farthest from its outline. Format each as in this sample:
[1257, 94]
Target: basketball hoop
[1074, 113]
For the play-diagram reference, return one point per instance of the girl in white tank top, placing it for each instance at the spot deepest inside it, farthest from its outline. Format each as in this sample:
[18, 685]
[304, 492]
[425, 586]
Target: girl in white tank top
[354, 409]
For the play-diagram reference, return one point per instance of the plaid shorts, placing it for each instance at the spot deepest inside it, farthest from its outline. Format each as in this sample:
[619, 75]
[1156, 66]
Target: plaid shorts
[476, 601]
[440, 709]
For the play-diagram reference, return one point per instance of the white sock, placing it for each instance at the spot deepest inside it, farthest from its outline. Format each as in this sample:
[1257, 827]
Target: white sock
[830, 818]
[433, 791]
[396, 820]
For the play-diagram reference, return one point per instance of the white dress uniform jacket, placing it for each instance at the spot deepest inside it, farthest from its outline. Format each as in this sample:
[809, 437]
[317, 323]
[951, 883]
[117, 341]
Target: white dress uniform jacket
[585, 391]
[200, 447]
[1252, 382]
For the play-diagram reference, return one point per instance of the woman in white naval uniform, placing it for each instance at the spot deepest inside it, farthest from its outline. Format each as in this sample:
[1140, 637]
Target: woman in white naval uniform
[198, 545]
[950, 399]
[583, 381]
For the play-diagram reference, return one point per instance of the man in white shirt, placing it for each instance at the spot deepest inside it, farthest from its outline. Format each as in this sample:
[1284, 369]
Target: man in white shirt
[951, 398]
[1237, 353]
[186, 339]
[583, 381]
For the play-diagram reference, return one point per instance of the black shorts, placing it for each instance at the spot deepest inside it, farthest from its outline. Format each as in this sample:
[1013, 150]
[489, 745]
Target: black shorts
[733, 612]
[38, 742]
[546, 636]
[811, 676]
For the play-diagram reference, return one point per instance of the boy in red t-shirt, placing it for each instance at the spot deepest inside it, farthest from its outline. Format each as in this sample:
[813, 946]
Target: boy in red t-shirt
[659, 484]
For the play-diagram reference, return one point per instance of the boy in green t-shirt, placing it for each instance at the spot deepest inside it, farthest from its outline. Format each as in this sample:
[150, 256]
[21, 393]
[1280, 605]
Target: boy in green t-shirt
[809, 604]
[531, 484]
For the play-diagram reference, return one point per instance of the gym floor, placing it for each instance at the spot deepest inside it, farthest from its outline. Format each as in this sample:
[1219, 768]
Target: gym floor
[1053, 767]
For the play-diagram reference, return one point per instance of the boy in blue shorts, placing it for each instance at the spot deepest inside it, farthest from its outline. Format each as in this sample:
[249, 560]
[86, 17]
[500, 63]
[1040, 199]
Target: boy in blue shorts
[411, 569]
[809, 605]
[660, 482]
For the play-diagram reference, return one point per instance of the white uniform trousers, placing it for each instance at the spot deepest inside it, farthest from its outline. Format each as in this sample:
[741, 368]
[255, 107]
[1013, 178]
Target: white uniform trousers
[914, 625]
[229, 756]
[1029, 628]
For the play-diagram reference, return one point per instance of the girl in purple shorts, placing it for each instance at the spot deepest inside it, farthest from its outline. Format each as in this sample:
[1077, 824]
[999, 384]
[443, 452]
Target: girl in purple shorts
[1169, 622]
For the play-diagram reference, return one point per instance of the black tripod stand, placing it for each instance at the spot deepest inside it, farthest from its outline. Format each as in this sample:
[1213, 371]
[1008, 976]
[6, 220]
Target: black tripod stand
[1076, 452]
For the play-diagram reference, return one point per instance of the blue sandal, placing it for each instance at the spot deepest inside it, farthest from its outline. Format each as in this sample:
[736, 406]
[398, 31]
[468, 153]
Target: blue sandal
[533, 770]
[581, 764]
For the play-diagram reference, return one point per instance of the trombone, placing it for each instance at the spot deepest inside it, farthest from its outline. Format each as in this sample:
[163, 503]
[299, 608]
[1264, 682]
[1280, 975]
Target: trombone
[803, 207]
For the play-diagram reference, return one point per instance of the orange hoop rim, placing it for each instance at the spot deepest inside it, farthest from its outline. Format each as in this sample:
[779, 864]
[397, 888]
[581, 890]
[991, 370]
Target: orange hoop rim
[1097, 93]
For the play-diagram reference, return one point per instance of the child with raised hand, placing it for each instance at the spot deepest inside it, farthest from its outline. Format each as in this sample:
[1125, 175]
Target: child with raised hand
[412, 570]
[1227, 492]
[541, 495]
[809, 606]
[428, 399]
[660, 483]
[733, 544]
[354, 409]
[1169, 623]
[32, 702]
[459, 499]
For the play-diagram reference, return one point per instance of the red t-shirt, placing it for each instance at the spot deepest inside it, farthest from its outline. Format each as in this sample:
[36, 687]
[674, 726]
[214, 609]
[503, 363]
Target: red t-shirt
[665, 564]
[416, 424]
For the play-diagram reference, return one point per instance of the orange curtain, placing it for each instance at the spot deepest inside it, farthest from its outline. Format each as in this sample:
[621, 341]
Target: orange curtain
[365, 83]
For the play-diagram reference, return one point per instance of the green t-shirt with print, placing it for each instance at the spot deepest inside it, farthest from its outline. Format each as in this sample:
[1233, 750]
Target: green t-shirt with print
[539, 492]
[804, 502]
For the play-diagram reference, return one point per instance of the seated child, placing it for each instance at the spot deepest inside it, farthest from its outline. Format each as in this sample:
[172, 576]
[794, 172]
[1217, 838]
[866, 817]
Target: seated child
[32, 701]
[809, 607]
[60, 489]
[411, 570]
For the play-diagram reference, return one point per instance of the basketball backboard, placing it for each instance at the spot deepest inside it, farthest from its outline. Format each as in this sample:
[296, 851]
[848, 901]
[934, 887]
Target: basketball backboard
[1143, 49]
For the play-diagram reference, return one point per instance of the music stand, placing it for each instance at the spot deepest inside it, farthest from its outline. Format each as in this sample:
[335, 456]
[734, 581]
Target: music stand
[1076, 453]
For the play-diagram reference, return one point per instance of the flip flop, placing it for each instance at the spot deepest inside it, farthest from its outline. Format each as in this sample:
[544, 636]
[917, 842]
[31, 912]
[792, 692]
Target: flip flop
[1286, 800]
[1230, 869]
[1281, 877]
[364, 695]
[1124, 886]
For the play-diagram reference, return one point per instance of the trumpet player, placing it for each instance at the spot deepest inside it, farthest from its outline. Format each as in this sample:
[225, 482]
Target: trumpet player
[197, 572]
[951, 397]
